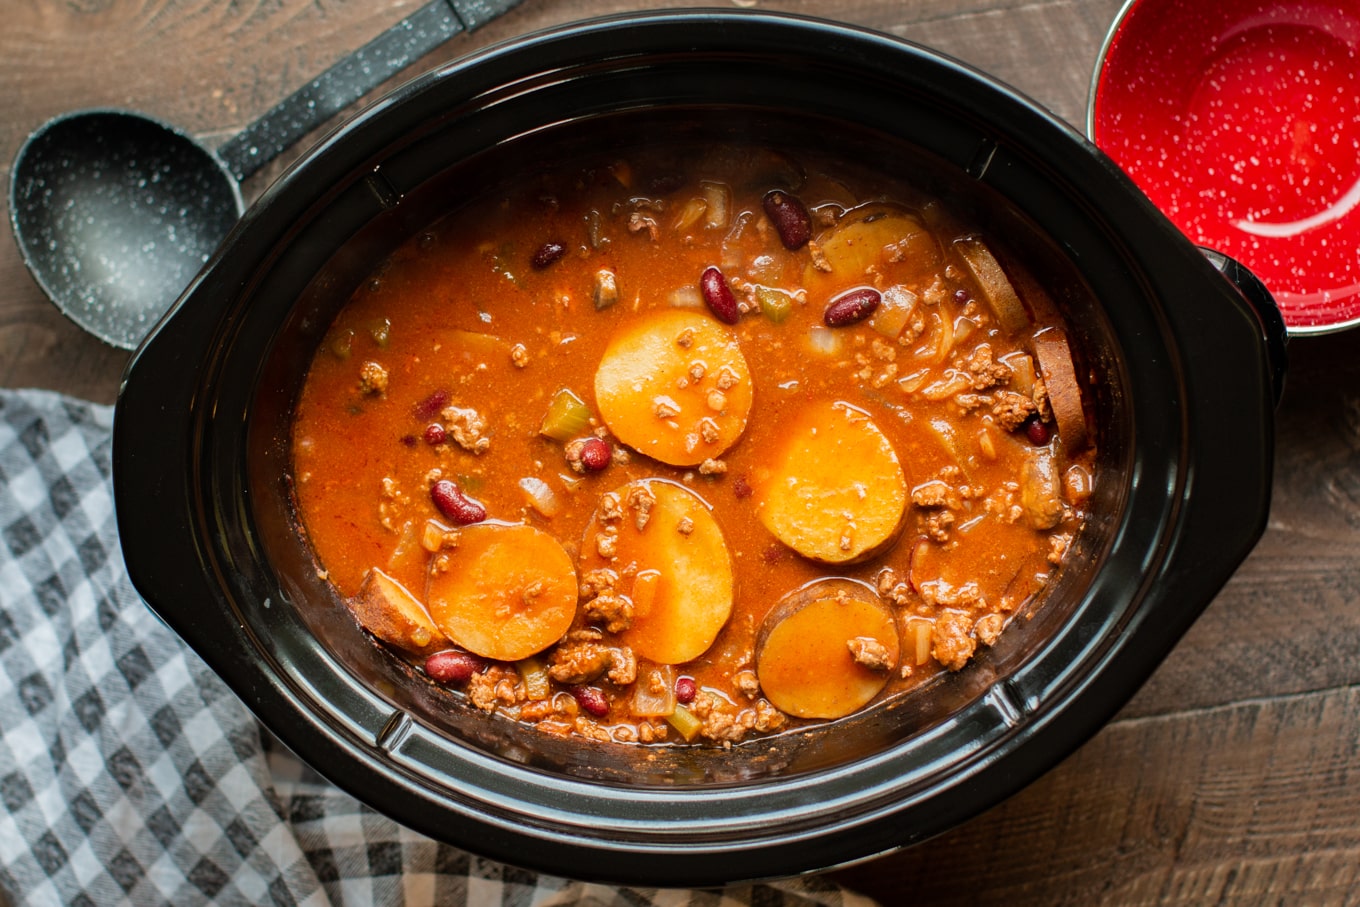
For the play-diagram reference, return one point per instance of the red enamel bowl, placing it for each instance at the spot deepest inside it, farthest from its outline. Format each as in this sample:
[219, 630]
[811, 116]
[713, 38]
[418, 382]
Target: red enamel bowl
[1240, 119]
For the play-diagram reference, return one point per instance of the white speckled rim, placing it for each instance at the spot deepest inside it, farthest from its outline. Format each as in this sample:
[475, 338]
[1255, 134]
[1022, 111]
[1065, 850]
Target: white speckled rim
[1098, 74]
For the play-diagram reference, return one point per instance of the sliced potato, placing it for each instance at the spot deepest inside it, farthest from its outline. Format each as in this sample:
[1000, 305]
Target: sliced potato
[872, 242]
[388, 610]
[1064, 393]
[996, 287]
[409, 560]
[664, 536]
[468, 349]
[827, 649]
[1040, 498]
[675, 386]
[507, 591]
[835, 492]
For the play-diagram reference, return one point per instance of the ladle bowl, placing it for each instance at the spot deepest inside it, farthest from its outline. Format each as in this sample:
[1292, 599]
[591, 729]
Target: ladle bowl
[114, 212]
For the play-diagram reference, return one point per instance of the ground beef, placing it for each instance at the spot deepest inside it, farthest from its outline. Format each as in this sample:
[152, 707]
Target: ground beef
[467, 428]
[641, 500]
[712, 467]
[951, 642]
[496, 686]
[622, 666]
[931, 494]
[597, 582]
[583, 656]
[943, 595]
[747, 682]
[372, 378]
[984, 371]
[1012, 409]
[870, 652]
[614, 612]
[723, 726]
[937, 525]
[988, 628]
[768, 718]
[580, 658]
[611, 508]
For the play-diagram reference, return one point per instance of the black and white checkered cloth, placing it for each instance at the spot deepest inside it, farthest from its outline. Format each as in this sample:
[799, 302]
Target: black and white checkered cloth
[130, 774]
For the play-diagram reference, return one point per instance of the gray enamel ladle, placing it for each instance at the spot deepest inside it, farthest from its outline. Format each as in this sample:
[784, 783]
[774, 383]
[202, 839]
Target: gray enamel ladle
[115, 212]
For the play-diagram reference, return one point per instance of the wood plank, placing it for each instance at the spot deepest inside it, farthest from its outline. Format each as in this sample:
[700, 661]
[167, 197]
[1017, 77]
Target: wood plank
[1238, 804]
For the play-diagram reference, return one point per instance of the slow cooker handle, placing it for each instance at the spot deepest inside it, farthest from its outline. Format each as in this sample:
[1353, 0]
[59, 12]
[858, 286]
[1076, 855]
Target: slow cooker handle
[1267, 312]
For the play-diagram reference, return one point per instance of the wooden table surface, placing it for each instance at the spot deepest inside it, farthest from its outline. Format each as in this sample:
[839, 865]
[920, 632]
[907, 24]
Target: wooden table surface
[1233, 777]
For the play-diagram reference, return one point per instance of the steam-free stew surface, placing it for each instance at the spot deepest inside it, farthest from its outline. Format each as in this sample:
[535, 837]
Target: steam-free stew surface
[693, 446]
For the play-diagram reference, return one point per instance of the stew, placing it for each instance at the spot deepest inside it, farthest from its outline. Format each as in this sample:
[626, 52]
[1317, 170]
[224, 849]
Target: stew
[693, 446]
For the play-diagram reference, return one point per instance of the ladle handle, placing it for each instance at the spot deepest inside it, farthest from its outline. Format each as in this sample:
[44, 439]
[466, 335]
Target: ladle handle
[352, 78]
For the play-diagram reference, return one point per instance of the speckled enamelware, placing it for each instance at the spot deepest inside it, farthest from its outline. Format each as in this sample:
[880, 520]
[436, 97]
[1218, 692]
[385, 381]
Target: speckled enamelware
[115, 212]
[1185, 374]
[1241, 121]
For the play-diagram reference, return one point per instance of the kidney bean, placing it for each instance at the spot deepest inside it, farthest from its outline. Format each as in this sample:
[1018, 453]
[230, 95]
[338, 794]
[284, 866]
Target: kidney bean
[592, 699]
[790, 218]
[851, 306]
[595, 454]
[455, 505]
[434, 433]
[548, 253]
[741, 488]
[685, 690]
[431, 406]
[1037, 431]
[453, 666]
[718, 296]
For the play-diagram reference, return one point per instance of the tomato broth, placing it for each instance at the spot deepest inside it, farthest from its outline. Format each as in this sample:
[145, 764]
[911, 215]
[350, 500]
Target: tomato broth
[693, 446]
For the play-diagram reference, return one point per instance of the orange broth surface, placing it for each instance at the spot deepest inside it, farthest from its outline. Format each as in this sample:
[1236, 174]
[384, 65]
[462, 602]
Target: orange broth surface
[944, 417]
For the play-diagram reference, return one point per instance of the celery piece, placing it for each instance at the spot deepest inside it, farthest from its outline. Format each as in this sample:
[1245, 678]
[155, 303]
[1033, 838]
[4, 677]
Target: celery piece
[568, 417]
[685, 722]
[381, 332]
[342, 346]
[774, 304]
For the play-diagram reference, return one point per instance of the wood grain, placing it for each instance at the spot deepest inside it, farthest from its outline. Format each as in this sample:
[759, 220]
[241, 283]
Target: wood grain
[1250, 803]
[1230, 778]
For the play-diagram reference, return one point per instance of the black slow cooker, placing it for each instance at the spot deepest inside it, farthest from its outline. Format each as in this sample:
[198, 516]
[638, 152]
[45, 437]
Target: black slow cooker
[1185, 365]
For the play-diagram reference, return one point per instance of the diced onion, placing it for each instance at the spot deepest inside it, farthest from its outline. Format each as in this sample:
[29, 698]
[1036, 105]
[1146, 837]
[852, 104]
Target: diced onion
[824, 341]
[716, 198]
[654, 692]
[919, 632]
[539, 495]
[912, 382]
[687, 297]
[946, 339]
[1022, 371]
[963, 328]
[954, 381]
[690, 214]
[537, 684]
[894, 312]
